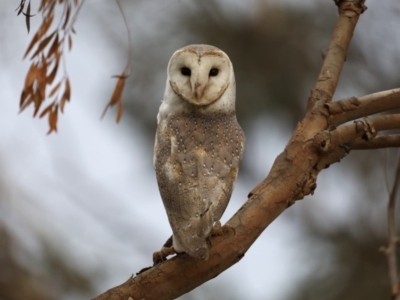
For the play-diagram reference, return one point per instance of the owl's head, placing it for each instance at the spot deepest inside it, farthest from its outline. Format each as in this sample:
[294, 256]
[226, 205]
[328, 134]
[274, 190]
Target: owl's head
[200, 75]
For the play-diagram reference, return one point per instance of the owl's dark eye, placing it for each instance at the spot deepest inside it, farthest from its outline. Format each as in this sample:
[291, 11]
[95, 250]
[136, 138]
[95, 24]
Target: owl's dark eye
[186, 71]
[213, 72]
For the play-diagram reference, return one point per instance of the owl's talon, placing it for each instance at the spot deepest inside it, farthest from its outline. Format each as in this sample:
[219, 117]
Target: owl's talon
[160, 256]
[219, 230]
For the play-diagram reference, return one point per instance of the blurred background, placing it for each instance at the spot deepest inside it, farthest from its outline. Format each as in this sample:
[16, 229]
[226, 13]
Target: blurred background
[80, 210]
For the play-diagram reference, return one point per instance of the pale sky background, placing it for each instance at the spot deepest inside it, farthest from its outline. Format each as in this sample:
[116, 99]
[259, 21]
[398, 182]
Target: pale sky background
[91, 190]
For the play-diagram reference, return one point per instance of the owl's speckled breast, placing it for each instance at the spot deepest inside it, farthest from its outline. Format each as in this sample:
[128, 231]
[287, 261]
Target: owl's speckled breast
[197, 162]
[211, 144]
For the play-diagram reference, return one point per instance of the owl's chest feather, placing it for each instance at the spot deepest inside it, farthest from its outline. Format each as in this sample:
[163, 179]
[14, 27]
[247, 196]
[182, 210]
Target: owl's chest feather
[198, 145]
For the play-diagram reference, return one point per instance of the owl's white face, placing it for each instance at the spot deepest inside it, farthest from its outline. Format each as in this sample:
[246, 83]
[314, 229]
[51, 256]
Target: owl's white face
[199, 75]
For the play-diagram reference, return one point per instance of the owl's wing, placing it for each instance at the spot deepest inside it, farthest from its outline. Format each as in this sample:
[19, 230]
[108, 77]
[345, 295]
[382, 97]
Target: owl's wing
[196, 173]
[155, 153]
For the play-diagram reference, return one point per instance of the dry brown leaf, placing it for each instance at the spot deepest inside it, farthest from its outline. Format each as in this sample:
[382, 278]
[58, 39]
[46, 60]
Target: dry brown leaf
[27, 91]
[31, 76]
[42, 4]
[67, 93]
[41, 80]
[52, 75]
[37, 100]
[66, 96]
[34, 40]
[27, 102]
[28, 17]
[115, 98]
[53, 115]
[67, 14]
[43, 44]
[53, 48]
[42, 75]
[119, 111]
[55, 89]
[20, 8]
[51, 5]
[58, 56]
[46, 110]
[45, 3]
[62, 104]
[45, 26]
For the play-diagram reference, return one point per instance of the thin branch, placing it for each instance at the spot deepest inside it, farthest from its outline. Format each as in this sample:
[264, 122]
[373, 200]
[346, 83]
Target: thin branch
[75, 16]
[357, 107]
[128, 67]
[116, 98]
[390, 251]
[365, 128]
[385, 172]
[380, 141]
[349, 12]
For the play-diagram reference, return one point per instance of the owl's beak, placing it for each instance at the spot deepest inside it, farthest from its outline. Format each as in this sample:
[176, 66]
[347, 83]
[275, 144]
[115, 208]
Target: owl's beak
[198, 89]
[199, 92]
[198, 83]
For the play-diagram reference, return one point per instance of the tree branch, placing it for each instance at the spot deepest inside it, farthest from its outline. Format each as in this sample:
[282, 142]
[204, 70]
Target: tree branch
[353, 108]
[292, 177]
[349, 12]
[365, 128]
[381, 141]
[390, 250]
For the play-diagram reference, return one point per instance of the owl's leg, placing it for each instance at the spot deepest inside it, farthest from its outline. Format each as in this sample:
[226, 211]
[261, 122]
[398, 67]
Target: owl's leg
[168, 243]
[167, 249]
[219, 230]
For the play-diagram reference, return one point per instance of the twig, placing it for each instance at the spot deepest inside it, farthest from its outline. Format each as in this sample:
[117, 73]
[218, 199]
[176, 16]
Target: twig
[128, 67]
[390, 251]
[353, 108]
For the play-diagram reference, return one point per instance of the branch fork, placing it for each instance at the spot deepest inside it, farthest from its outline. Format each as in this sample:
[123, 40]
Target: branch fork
[320, 139]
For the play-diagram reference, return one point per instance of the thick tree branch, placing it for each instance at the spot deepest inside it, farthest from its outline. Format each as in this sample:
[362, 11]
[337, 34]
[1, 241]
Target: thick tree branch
[292, 177]
[357, 107]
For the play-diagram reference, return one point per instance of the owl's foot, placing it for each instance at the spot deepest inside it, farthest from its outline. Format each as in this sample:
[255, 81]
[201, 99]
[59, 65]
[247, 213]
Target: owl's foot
[166, 250]
[219, 230]
[160, 256]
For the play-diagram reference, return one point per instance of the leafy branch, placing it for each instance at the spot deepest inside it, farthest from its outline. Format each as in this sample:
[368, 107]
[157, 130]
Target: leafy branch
[47, 79]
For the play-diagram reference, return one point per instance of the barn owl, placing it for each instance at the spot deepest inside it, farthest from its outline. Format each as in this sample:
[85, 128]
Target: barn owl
[198, 147]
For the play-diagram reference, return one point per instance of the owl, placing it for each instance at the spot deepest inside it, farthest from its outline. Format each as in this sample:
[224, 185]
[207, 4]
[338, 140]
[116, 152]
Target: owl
[198, 146]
